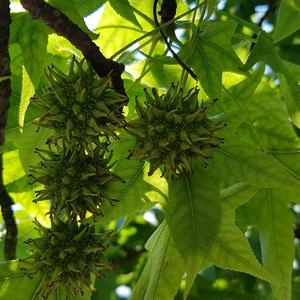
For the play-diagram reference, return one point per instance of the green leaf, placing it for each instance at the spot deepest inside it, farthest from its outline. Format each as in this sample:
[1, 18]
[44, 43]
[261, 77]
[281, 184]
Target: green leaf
[163, 271]
[244, 90]
[291, 94]
[232, 289]
[296, 287]
[231, 250]
[288, 19]
[213, 55]
[70, 9]
[232, 118]
[139, 192]
[32, 36]
[16, 182]
[86, 7]
[16, 65]
[28, 91]
[276, 229]
[264, 51]
[236, 97]
[12, 281]
[237, 194]
[27, 140]
[243, 162]
[124, 9]
[8, 146]
[289, 158]
[193, 214]
[211, 6]
[111, 36]
[25, 231]
[293, 69]
[268, 123]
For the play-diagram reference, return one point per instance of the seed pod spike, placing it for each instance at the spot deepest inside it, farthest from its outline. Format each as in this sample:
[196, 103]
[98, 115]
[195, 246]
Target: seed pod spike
[69, 127]
[140, 109]
[169, 94]
[156, 95]
[80, 71]
[71, 73]
[192, 100]
[99, 89]
[60, 97]
[58, 74]
[49, 76]
[149, 99]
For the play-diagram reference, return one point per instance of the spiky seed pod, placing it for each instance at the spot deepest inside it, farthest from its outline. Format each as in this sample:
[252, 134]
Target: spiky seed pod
[173, 130]
[80, 106]
[74, 180]
[67, 255]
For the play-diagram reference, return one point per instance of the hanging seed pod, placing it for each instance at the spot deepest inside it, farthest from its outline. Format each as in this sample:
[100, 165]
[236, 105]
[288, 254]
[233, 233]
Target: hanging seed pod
[67, 255]
[74, 180]
[173, 130]
[80, 106]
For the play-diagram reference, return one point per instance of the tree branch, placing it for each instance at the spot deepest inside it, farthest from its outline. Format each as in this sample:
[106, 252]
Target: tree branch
[6, 202]
[167, 11]
[63, 26]
[5, 90]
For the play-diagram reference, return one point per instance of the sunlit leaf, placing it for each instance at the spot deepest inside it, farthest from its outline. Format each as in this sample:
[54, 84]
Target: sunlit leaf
[275, 225]
[267, 122]
[231, 250]
[265, 51]
[237, 194]
[86, 7]
[193, 214]
[163, 271]
[287, 20]
[32, 36]
[11, 279]
[70, 9]
[124, 9]
[138, 191]
[27, 141]
[213, 55]
[28, 91]
[244, 162]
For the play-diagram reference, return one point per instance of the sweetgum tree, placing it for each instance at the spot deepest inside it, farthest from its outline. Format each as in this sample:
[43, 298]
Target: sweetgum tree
[152, 153]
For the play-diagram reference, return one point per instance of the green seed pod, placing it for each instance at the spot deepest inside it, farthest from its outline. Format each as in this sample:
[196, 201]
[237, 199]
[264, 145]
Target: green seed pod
[85, 106]
[173, 130]
[74, 180]
[68, 257]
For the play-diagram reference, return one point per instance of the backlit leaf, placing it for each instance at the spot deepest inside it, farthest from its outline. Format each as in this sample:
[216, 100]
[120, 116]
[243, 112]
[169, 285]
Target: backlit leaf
[288, 19]
[193, 214]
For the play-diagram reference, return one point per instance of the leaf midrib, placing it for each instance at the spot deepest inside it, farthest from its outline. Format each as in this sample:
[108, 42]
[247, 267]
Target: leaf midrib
[254, 167]
[132, 181]
[192, 210]
[272, 234]
[161, 265]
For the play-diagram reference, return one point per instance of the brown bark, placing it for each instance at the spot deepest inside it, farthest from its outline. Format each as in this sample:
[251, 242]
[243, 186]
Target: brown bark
[5, 90]
[63, 26]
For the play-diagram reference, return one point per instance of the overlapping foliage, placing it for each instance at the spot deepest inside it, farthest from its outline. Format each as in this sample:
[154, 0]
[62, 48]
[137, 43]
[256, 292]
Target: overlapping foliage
[239, 214]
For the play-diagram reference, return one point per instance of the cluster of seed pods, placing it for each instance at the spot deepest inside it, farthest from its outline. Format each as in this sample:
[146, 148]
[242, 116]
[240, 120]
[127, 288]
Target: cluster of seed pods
[83, 113]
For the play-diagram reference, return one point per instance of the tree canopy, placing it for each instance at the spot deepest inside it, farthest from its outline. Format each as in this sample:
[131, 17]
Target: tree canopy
[149, 149]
